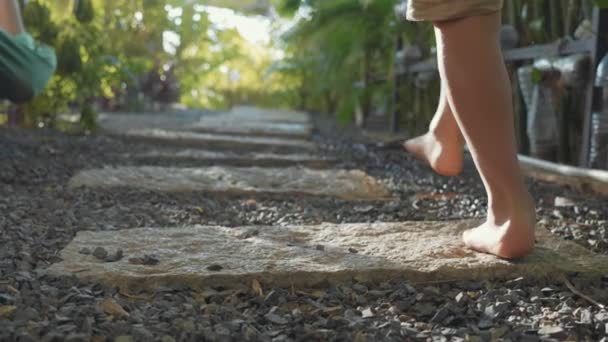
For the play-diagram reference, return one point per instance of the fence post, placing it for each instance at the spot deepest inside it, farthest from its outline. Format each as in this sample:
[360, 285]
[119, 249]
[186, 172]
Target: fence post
[599, 48]
[396, 114]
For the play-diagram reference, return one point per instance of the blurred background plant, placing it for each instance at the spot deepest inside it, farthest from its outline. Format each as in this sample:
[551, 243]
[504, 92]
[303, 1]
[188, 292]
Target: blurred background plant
[344, 55]
[134, 55]
[322, 56]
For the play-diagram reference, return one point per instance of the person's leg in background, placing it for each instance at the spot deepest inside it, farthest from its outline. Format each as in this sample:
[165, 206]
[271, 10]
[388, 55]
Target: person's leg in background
[10, 22]
[10, 17]
[478, 93]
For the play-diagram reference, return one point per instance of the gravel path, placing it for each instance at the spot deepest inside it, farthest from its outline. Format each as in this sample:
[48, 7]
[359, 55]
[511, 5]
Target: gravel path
[39, 216]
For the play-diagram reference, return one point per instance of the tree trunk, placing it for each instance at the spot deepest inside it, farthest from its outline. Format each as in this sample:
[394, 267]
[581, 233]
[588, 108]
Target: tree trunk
[366, 101]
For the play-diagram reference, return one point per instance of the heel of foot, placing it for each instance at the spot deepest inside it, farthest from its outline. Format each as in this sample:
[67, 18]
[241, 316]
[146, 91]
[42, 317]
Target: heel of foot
[515, 251]
[504, 242]
[444, 159]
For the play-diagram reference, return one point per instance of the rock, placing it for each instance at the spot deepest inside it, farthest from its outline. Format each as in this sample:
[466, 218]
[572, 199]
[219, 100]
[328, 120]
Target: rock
[124, 338]
[402, 305]
[248, 114]
[112, 308]
[276, 319]
[601, 316]
[99, 252]
[219, 141]
[360, 288]
[499, 332]
[364, 209]
[85, 251]
[76, 337]
[6, 299]
[147, 259]
[215, 268]
[485, 324]
[417, 251]
[232, 124]
[7, 310]
[497, 310]
[440, 315]
[425, 309]
[461, 298]
[114, 257]
[227, 158]
[187, 326]
[551, 330]
[564, 308]
[563, 202]
[27, 337]
[272, 297]
[367, 313]
[586, 317]
[547, 290]
[348, 185]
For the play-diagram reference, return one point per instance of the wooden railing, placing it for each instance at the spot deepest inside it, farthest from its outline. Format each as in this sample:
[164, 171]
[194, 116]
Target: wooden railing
[595, 47]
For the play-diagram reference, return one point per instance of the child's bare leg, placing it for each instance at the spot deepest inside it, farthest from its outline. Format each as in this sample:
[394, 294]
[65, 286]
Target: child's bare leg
[10, 18]
[479, 94]
[441, 146]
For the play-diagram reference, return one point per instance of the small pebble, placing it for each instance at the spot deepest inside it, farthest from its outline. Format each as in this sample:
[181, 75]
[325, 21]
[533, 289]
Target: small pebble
[100, 253]
[215, 268]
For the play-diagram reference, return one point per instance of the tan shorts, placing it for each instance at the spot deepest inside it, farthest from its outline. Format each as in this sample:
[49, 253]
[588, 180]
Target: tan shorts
[438, 10]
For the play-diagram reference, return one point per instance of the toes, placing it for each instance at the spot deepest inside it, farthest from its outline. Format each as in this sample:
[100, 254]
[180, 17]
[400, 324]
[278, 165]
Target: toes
[470, 238]
[477, 239]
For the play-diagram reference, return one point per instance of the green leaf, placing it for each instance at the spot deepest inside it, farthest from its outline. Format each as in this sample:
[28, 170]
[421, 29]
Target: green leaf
[601, 3]
[537, 76]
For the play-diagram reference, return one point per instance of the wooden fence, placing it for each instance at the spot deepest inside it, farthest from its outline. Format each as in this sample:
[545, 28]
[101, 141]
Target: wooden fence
[595, 47]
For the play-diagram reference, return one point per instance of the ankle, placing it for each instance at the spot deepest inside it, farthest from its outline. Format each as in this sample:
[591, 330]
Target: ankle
[446, 136]
[515, 205]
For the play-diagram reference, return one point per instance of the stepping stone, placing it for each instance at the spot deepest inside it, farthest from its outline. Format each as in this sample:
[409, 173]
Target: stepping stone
[220, 141]
[254, 114]
[233, 159]
[236, 125]
[347, 185]
[120, 123]
[203, 256]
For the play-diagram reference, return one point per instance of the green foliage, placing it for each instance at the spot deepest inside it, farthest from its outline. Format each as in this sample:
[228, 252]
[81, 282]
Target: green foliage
[601, 3]
[84, 11]
[346, 42]
[108, 49]
[68, 50]
[37, 18]
[342, 42]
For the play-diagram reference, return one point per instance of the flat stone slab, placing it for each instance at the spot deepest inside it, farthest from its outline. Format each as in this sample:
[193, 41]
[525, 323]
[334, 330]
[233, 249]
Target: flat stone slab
[202, 256]
[348, 185]
[234, 159]
[236, 125]
[120, 123]
[223, 141]
[254, 114]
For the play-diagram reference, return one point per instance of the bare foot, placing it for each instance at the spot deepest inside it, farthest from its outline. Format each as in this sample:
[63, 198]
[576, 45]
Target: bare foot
[512, 239]
[444, 157]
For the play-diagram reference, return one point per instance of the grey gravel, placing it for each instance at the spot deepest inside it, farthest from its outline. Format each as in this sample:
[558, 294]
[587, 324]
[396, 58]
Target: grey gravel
[41, 215]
